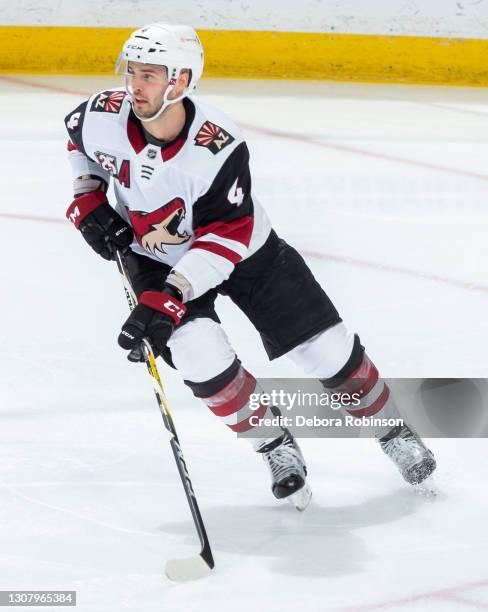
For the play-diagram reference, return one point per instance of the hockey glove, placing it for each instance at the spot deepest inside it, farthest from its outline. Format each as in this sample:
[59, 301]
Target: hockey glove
[154, 318]
[101, 226]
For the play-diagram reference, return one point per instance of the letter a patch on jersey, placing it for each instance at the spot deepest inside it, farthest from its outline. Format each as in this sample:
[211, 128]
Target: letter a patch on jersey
[213, 137]
[108, 102]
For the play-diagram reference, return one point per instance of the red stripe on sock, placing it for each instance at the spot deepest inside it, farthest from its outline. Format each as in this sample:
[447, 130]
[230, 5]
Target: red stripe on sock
[361, 381]
[236, 401]
[375, 407]
[246, 425]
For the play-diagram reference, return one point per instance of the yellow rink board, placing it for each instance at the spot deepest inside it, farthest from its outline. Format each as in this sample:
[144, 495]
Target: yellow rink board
[257, 54]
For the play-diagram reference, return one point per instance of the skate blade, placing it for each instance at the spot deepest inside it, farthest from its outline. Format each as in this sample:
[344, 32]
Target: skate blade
[301, 498]
[427, 489]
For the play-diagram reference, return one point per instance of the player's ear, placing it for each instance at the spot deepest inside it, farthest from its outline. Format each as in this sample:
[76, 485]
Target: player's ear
[183, 79]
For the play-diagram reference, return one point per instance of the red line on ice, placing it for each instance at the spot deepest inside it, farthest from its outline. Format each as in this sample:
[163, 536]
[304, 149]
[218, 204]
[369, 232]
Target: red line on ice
[453, 594]
[312, 141]
[459, 284]
[364, 152]
[31, 218]
[395, 269]
[56, 88]
[289, 136]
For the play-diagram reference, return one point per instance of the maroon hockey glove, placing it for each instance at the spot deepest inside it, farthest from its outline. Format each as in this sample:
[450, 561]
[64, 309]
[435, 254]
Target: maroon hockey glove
[153, 318]
[101, 226]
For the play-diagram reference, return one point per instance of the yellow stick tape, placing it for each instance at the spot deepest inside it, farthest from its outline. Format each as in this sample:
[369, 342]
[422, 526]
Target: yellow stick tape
[255, 54]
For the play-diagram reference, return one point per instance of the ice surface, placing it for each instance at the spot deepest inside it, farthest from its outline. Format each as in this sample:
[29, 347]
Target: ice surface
[385, 190]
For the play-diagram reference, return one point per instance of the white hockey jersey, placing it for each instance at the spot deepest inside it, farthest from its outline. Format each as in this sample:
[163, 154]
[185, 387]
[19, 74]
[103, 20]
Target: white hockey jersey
[189, 202]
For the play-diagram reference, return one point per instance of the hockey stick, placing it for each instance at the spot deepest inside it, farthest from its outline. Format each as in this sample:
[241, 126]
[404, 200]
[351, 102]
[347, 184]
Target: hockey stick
[202, 564]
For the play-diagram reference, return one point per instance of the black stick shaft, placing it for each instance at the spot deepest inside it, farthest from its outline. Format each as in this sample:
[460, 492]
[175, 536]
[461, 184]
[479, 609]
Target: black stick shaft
[205, 552]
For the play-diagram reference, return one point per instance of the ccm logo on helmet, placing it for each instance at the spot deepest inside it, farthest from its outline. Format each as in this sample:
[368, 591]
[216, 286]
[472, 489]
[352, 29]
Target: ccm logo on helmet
[172, 307]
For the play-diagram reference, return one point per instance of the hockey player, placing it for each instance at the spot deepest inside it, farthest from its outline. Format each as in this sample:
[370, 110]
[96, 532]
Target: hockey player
[190, 226]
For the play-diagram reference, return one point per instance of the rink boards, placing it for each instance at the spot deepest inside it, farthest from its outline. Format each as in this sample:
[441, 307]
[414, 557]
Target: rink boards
[260, 54]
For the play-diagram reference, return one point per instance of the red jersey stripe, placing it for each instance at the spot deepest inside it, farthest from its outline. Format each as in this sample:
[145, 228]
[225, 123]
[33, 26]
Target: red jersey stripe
[238, 229]
[72, 147]
[217, 249]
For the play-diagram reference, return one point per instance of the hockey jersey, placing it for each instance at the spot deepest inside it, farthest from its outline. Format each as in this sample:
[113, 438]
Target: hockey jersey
[189, 202]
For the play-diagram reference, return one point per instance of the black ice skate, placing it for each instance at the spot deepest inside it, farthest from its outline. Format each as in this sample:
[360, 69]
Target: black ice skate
[407, 451]
[288, 470]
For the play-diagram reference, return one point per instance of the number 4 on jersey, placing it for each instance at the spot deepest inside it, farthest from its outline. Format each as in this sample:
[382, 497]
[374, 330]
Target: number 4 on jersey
[236, 195]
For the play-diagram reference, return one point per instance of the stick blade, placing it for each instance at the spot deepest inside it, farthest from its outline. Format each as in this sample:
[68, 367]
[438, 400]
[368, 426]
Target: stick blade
[192, 568]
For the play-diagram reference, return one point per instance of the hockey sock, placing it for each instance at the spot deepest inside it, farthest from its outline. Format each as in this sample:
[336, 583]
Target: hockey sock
[234, 396]
[360, 376]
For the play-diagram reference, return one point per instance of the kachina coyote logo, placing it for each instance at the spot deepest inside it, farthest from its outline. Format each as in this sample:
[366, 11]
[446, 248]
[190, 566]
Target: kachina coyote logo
[155, 229]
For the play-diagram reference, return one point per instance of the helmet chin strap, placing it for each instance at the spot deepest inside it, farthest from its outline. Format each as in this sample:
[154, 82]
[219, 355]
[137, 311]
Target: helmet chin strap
[164, 105]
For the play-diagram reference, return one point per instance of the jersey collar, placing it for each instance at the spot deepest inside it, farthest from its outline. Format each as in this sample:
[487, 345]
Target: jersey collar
[139, 138]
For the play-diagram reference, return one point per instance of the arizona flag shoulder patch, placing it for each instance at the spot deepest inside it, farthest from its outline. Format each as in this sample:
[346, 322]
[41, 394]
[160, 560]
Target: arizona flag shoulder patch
[108, 102]
[213, 137]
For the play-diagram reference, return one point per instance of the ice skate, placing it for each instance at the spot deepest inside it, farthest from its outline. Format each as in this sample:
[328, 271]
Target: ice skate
[407, 451]
[288, 470]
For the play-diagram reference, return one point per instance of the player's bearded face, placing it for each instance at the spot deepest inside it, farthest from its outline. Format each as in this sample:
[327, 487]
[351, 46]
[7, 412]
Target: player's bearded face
[147, 84]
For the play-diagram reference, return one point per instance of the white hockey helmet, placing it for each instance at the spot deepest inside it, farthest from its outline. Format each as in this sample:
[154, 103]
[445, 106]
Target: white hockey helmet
[175, 46]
